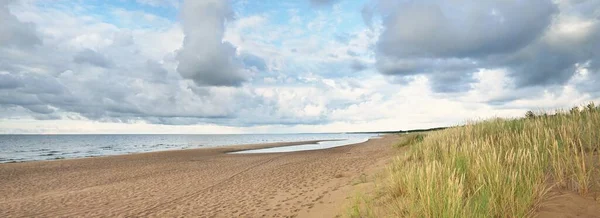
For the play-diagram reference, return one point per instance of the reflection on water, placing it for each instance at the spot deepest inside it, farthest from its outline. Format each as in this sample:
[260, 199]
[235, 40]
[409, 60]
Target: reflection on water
[305, 147]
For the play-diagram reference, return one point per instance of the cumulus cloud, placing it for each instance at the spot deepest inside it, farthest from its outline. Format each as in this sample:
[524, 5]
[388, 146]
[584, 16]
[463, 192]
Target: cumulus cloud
[367, 15]
[157, 72]
[539, 42]
[159, 3]
[439, 29]
[571, 43]
[251, 60]
[15, 33]
[7, 81]
[205, 58]
[318, 74]
[116, 81]
[322, 2]
[357, 65]
[88, 56]
[99, 72]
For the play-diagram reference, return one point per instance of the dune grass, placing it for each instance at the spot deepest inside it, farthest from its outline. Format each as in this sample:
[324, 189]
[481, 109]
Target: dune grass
[494, 168]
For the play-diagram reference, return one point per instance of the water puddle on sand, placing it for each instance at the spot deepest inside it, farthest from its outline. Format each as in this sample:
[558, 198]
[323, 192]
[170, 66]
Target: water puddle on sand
[305, 147]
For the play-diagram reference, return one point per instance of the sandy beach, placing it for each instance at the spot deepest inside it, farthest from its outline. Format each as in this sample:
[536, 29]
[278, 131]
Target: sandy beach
[193, 183]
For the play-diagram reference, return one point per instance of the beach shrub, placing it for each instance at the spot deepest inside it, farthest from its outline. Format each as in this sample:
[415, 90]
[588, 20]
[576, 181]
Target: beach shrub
[494, 168]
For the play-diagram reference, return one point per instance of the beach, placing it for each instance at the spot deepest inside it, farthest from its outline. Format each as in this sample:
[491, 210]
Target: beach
[206, 182]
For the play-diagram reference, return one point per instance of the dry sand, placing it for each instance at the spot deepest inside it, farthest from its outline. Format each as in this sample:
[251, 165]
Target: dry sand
[192, 183]
[563, 204]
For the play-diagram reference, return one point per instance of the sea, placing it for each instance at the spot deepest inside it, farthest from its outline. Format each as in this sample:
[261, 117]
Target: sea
[20, 148]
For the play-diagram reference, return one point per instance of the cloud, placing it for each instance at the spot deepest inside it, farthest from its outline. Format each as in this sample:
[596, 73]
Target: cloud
[204, 57]
[159, 3]
[14, 32]
[8, 81]
[66, 79]
[319, 3]
[40, 109]
[253, 61]
[538, 42]
[439, 29]
[256, 74]
[367, 13]
[572, 42]
[88, 56]
[31, 92]
[357, 65]
[95, 71]
[157, 72]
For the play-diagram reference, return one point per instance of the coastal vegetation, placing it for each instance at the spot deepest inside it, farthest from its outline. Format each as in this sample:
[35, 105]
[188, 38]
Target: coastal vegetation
[492, 168]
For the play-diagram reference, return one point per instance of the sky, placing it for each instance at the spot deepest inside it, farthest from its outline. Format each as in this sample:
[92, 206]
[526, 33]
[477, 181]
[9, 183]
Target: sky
[243, 66]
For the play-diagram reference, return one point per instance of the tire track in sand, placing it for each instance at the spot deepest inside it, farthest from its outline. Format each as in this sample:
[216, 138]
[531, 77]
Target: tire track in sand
[122, 211]
[183, 198]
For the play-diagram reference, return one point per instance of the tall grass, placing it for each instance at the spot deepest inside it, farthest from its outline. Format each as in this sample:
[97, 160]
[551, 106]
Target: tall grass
[494, 168]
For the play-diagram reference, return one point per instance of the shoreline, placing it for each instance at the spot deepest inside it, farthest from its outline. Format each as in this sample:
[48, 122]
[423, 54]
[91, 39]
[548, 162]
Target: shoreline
[192, 182]
[217, 149]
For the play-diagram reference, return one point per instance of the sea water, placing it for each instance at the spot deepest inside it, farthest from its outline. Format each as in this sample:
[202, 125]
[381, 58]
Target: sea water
[305, 147]
[18, 148]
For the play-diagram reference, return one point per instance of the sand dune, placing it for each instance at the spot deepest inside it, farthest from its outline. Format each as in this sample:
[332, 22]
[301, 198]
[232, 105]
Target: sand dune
[197, 183]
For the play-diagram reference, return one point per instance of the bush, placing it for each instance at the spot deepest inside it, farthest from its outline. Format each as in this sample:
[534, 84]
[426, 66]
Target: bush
[529, 115]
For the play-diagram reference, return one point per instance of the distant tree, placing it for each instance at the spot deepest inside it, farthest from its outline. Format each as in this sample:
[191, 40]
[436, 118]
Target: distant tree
[529, 115]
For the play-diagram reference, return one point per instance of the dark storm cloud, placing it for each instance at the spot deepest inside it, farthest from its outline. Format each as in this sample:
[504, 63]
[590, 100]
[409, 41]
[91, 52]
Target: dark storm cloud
[448, 42]
[451, 81]
[426, 29]
[554, 61]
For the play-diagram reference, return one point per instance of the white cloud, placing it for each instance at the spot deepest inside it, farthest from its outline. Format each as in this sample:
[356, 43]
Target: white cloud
[204, 57]
[89, 75]
[160, 3]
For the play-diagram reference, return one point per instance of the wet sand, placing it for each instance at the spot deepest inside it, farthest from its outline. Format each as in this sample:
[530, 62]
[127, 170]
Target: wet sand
[193, 183]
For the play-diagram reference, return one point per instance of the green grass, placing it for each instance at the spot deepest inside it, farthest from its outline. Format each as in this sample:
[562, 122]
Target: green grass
[360, 207]
[409, 139]
[360, 180]
[494, 168]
